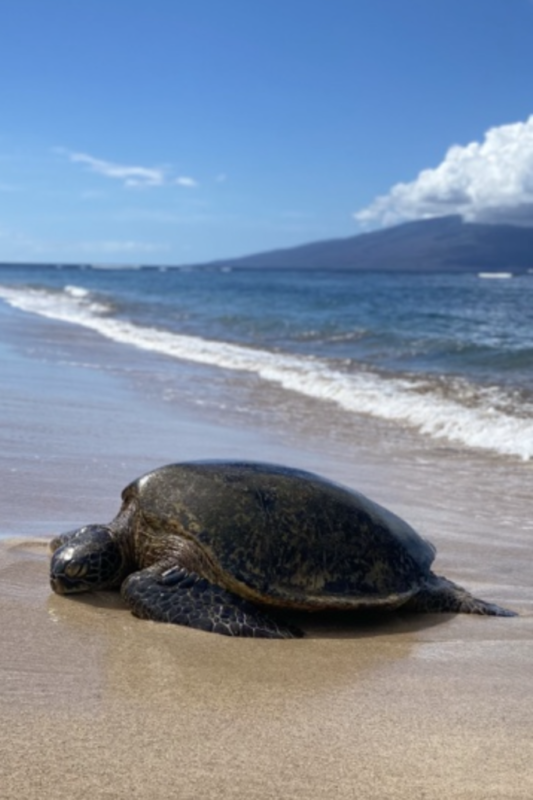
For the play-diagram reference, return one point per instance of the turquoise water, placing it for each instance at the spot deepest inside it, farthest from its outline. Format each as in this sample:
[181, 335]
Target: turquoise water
[448, 355]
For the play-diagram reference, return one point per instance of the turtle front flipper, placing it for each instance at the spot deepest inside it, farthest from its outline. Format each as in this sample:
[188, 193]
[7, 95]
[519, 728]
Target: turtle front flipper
[184, 598]
[438, 594]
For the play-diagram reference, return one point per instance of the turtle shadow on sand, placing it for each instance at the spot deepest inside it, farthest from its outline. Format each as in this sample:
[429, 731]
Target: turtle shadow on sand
[367, 624]
[326, 624]
[231, 547]
[127, 658]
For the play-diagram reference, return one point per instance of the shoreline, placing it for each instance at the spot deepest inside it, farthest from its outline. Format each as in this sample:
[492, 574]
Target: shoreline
[100, 704]
[466, 404]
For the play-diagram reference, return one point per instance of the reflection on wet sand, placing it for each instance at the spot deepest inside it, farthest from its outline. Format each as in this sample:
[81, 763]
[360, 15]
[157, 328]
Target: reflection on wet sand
[409, 703]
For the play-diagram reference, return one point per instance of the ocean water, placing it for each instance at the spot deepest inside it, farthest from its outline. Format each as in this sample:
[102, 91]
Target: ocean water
[447, 356]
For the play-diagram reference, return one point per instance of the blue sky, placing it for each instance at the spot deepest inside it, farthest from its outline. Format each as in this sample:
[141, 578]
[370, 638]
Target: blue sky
[173, 131]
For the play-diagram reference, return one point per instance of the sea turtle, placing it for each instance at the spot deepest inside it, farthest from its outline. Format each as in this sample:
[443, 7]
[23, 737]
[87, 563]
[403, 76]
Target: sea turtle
[219, 545]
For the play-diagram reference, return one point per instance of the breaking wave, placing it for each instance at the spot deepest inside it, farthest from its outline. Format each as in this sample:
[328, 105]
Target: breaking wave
[454, 409]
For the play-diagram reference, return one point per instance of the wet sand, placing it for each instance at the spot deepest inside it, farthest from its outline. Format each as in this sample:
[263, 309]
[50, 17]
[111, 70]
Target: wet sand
[97, 704]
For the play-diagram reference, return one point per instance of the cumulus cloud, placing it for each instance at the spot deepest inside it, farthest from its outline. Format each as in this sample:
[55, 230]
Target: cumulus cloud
[130, 176]
[488, 181]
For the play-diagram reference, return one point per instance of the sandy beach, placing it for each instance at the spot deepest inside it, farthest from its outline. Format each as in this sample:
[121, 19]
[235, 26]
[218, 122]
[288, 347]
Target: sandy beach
[97, 704]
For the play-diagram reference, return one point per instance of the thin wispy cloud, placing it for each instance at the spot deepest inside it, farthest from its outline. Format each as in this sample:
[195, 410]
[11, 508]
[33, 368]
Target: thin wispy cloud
[189, 183]
[112, 247]
[129, 175]
[16, 244]
[487, 181]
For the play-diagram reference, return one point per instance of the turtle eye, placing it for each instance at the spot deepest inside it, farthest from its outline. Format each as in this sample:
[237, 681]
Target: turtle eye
[74, 570]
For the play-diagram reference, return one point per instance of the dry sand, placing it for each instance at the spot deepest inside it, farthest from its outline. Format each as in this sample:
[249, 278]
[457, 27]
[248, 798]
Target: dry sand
[97, 704]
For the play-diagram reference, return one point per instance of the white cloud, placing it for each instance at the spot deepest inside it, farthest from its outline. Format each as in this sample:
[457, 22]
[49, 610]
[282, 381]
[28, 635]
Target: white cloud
[184, 181]
[18, 245]
[489, 181]
[121, 246]
[130, 176]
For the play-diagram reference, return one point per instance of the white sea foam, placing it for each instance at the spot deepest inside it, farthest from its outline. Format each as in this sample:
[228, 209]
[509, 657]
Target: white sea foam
[495, 275]
[413, 402]
[77, 291]
[73, 304]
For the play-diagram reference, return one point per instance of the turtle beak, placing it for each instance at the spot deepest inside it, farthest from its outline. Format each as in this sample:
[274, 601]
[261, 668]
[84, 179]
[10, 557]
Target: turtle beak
[66, 573]
[62, 585]
[57, 586]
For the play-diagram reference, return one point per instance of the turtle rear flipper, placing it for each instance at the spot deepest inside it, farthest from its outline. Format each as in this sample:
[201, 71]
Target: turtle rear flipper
[184, 598]
[438, 594]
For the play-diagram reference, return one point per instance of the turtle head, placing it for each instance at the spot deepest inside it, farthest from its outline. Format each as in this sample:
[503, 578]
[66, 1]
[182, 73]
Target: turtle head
[86, 560]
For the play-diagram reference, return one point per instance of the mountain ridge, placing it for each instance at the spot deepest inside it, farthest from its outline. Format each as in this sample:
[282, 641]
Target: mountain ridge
[437, 244]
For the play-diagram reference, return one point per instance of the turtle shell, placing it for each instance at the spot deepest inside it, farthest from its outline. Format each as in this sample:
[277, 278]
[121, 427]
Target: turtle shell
[280, 535]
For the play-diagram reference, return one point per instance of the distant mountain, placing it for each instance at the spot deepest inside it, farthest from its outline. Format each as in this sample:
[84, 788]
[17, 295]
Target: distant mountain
[432, 245]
